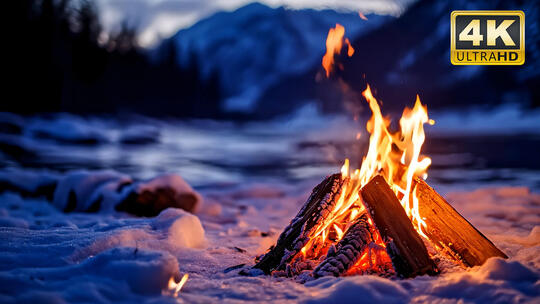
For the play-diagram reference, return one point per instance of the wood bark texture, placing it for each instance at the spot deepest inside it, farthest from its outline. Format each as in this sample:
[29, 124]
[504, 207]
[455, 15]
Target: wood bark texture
[450, 231]
[314, 212]
[403, 244]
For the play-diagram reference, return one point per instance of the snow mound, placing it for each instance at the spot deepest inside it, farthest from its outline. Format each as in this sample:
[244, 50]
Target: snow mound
[167, 190]
[102, 191]
[499, 269]
[497, 281]
[82, 190]
[50, 257]
[365, 289]
[172, 229]
[145, 271]
[166, 180]
[184, 229]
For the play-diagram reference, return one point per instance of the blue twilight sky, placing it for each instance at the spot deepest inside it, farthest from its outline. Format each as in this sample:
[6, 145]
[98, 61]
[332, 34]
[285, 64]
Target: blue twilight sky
[157, 19]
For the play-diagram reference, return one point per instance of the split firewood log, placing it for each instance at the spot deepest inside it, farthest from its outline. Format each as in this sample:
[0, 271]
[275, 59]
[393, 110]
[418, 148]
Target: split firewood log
[313, 213]
[404, 246]
[348, 250]
[450, 231]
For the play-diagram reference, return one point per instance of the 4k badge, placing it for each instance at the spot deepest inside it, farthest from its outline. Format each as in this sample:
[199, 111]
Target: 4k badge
[487, 37]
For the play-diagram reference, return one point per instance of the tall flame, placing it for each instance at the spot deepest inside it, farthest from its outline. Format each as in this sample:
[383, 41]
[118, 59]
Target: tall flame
[334, 43]
[396, 155]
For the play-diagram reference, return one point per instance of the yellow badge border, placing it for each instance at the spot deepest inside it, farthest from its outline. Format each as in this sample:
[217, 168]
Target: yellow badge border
[453, 15]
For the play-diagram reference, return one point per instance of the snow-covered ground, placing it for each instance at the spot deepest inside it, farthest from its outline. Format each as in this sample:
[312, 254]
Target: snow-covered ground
[253, 179]
[49, 256]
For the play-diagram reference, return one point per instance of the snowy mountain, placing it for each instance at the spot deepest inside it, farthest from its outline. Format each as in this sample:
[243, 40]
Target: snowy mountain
[255, 46]
[411, 55]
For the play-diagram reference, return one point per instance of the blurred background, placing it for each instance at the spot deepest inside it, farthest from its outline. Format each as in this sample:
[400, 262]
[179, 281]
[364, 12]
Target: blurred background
[223, 90]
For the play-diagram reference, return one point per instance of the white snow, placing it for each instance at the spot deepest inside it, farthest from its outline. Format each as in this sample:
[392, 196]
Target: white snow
[183, 229]
[89, 187]
[53, 257]
[46, 255]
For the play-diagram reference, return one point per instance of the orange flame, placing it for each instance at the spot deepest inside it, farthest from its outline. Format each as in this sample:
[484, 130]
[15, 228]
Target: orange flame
[334, 43]
[399, 165]
[176, 287]
[394, 155]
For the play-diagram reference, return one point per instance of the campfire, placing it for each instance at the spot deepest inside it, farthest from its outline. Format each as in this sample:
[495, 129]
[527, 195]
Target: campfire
[377, 219]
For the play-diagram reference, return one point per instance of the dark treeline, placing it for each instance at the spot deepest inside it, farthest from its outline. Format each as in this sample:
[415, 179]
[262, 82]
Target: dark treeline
[55, 63]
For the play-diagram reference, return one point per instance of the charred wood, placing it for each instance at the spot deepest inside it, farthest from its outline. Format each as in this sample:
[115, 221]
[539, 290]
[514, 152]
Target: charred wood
[404, 246]
[314, 212]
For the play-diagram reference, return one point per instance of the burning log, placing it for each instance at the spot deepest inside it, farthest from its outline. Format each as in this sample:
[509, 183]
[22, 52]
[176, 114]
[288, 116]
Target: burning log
[314, 212]
[403, 244]
[348, 250]
[447, 229]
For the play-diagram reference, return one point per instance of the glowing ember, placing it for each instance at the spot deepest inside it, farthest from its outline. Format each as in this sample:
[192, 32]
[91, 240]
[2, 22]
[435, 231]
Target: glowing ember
[176, 287]
[334, 43]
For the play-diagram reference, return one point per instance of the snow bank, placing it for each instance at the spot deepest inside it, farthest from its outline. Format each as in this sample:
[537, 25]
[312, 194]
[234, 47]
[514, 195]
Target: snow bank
[145, 271]
[497, 281]
[365, 289]
[48, 255]
[84, 190]
[103, 191]
[63, 258]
